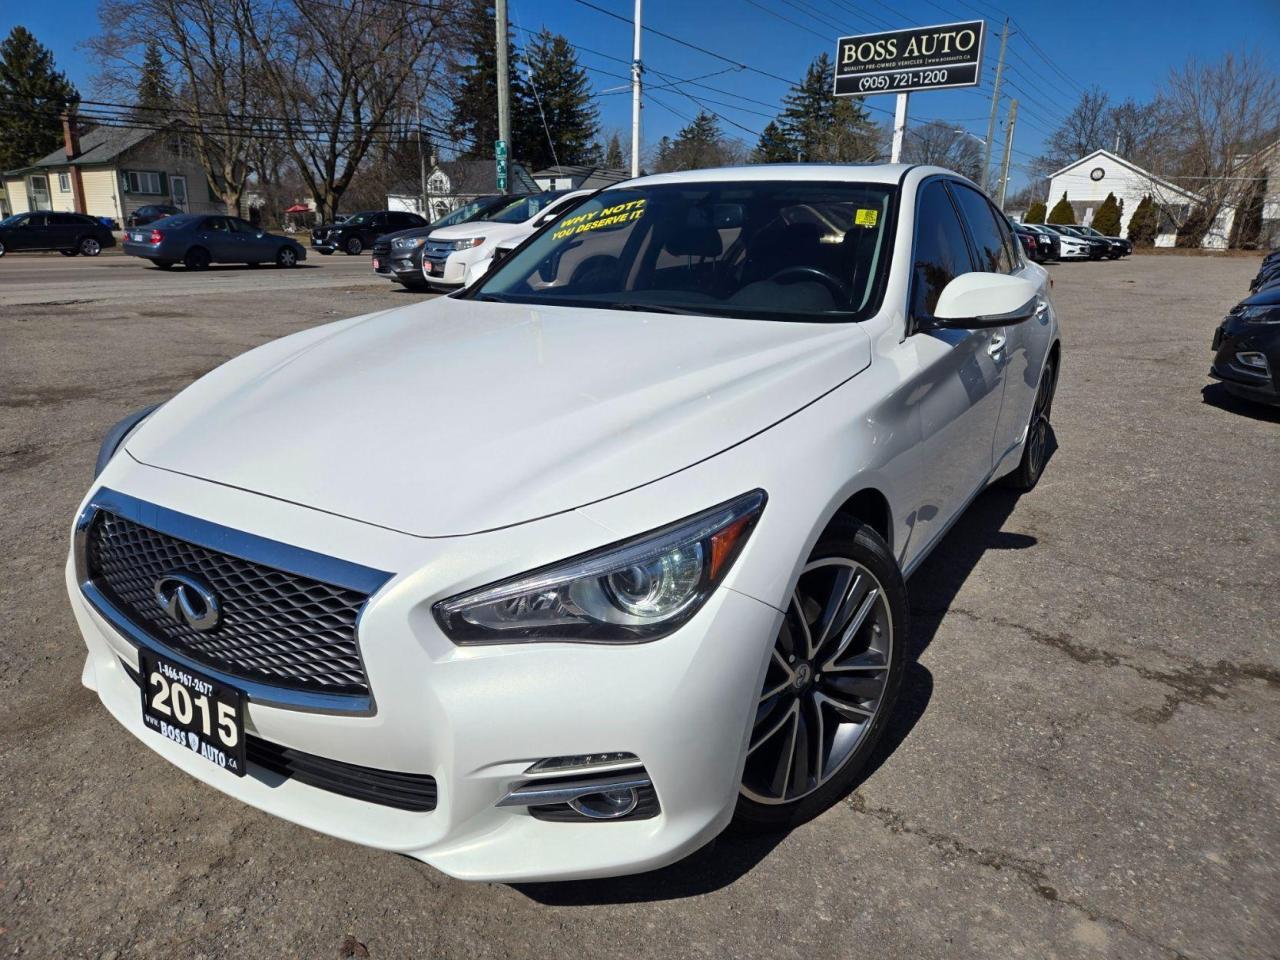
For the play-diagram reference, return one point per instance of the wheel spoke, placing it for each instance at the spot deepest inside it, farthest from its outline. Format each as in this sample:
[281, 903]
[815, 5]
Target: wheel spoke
[786, 639]
[849, 711]
[759, 739]
[855, 624]
[801, 753]
[869, 660]
[854, 687]
[840, 602]
[788, 675]
[786, 758]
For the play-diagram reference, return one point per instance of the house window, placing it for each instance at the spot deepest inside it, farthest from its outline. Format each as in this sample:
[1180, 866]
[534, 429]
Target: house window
[141, 181]
[64, 182]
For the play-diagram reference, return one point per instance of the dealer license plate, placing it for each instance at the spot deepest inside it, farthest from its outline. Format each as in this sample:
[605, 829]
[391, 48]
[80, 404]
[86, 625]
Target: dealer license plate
[428, 266]
[136, 237]
[202, 715]
[377, 264]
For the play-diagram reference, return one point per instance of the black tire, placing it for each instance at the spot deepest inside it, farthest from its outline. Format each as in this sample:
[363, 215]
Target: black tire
[1, 248]
[1036, 448]
[286, 257]
[68, 253]
[850, 542]
[89, 246]
[354, 246]
[197, 258]
[163, 264]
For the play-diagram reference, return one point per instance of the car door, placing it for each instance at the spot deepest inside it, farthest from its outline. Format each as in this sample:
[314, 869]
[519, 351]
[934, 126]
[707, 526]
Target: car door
[253, 244]
[63, 231]
[956, 375]
[215, 235]
[1024, 343]
[37, 235]
[21, 235]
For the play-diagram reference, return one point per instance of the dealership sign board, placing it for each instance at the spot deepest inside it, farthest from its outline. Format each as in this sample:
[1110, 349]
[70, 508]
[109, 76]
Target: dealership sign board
[900, 61]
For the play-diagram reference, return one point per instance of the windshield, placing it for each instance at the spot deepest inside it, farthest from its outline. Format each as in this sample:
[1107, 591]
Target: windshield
[482, 209]
[13, 220]
[791, 250]
[357, 219]
[525, 208]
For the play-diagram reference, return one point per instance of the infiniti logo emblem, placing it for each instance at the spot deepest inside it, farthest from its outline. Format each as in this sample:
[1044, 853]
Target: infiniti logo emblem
[187, 600]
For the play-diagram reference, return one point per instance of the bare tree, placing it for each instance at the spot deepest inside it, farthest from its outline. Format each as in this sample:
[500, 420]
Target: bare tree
[944, 144]
[1085, 129]
[1220, 117]
[342, 78]
[1136, 131]
[219, 92]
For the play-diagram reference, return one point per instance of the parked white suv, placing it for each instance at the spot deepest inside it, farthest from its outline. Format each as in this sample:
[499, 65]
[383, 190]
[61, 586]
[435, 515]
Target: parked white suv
[557, 578]
[459, 255]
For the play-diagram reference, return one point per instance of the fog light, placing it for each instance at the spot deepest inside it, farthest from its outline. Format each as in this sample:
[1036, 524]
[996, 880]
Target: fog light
[606, 805]
[1252, 359]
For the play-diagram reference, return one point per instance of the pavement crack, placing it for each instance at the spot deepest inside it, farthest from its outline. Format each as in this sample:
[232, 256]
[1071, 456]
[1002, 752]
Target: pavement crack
[1194, 683]
[1030, 873]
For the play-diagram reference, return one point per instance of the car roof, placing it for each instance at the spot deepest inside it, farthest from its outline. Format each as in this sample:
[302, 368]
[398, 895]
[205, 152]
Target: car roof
[890, 173]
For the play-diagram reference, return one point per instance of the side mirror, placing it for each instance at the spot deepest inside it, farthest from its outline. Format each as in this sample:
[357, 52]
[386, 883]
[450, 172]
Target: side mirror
[975, 300]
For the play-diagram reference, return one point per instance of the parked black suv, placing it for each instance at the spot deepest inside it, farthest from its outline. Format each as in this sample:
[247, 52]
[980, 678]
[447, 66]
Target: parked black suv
[360, 230]
[398, 256]
[1120, 247]
[150, 214]
[68, 233]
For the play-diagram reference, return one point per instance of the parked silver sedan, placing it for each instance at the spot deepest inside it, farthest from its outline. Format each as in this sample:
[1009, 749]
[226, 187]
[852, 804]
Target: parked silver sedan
[197, 240]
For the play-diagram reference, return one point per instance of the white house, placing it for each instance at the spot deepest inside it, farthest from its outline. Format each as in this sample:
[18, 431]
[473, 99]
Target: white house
[579, 177]
[1087, 181]
[452, 183]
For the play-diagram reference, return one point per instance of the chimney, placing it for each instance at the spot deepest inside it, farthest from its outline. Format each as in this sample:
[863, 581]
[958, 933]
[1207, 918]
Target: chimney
[71, 141]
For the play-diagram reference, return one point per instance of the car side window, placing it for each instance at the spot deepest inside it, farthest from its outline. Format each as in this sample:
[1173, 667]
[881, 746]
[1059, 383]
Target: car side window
[242, 226]
[1011, 243]
[993, 254]
[941, 251]
[216, 223]
[38, 220]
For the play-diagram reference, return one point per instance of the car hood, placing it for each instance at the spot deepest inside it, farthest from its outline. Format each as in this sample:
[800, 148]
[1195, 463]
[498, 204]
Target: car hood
[410, 232]
[488, 229]
[455, 417]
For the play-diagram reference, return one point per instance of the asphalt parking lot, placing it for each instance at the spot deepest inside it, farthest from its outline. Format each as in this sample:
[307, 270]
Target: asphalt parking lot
[1087, 762]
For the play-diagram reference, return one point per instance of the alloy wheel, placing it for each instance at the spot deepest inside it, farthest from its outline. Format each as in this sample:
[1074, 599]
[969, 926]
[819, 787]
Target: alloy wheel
[90, 247]
[354, 246]
[1038, 431]
[825, 682]
[286, 257]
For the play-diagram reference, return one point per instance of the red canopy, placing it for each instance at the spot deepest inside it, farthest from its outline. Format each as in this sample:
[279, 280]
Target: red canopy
[299, 208]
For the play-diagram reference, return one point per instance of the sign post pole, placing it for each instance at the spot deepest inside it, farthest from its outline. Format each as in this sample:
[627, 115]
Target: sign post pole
[500, 159]
[899, 127]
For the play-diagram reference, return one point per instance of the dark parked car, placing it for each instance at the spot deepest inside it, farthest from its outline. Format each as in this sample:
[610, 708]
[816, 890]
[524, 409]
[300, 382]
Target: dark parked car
[150, 214]
[68, 233]
[1247, 348]
[359, 231]
[1039, 246]
[1099, 249]
[197, 240]
[1268, 273]
[1052, 240]
[398, 256]
[1120, 247]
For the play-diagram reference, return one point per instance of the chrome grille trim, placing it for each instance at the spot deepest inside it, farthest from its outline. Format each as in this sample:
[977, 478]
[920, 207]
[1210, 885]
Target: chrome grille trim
[233, 545]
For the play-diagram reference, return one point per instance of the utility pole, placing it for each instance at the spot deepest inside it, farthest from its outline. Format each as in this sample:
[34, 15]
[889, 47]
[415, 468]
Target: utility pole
[899, 127]
[995, 109]
[502, 150]
[422, 163]
[1008, 149]
[636, 90]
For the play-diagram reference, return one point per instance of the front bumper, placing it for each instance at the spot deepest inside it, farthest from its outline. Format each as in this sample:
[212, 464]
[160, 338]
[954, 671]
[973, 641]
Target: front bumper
[1233, 338]
[476, 718]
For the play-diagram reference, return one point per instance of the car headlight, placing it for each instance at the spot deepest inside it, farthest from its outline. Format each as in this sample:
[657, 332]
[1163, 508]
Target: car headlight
[637, 590]
[468, 243]
[117, 436]
[408, 243]
[1260, 314]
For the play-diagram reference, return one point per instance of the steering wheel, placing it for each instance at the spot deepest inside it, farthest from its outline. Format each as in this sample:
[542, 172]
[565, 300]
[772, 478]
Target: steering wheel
[813, 273]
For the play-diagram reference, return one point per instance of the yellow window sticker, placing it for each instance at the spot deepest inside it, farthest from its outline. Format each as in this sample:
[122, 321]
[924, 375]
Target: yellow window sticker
[866, 218]
[605, 219]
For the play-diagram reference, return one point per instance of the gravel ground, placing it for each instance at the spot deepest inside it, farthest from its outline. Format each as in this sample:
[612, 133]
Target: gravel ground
[1087, 762]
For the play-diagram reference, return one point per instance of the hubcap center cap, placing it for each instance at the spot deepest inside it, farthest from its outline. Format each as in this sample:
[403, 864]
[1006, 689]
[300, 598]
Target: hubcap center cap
[803, 677]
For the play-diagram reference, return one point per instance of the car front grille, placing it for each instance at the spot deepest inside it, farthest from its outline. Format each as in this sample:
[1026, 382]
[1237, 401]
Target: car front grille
[438, 250]
[275, 627]
[382, 247]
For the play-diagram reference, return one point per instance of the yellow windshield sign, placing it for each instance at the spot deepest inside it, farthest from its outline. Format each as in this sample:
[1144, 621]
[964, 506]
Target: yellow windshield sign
[867, 218]
[602, 219]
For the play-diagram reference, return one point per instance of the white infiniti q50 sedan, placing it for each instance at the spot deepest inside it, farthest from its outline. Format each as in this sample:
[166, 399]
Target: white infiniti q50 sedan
[558, 577]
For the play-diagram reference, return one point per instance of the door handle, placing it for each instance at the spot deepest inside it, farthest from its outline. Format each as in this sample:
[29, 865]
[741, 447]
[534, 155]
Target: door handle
[997, 343]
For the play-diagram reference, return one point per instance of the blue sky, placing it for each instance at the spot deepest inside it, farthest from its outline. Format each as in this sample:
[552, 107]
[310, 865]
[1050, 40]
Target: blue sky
[1125, 47]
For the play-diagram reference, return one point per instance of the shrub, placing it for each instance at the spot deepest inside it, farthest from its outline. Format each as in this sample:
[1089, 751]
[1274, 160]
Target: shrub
[1144, 224]
[1107, 220]
[1035, 212]
[1062, 212]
